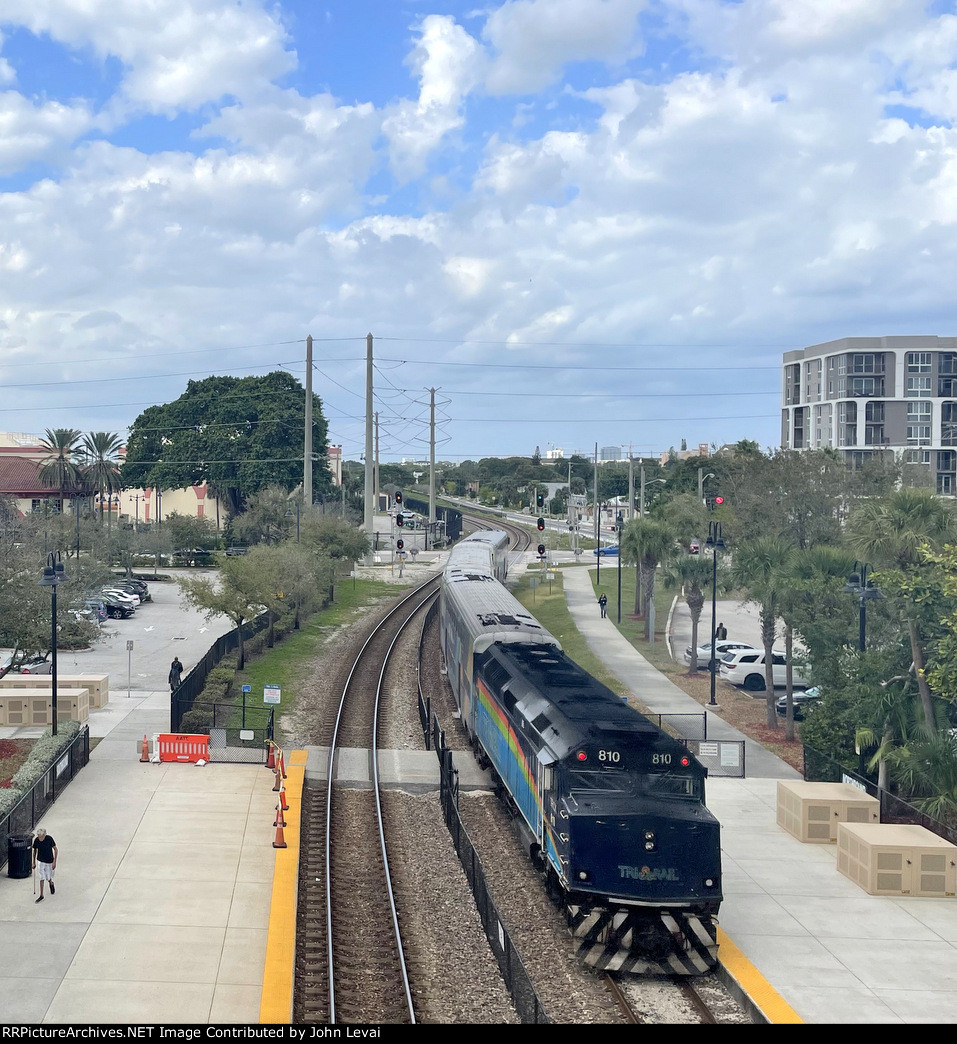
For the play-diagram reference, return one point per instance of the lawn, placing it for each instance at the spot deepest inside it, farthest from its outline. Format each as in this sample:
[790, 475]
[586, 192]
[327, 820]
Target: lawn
[288, 661]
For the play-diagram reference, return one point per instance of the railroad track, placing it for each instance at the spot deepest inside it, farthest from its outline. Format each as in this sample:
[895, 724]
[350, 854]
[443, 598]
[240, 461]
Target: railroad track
[644, 1002]
[350, 963]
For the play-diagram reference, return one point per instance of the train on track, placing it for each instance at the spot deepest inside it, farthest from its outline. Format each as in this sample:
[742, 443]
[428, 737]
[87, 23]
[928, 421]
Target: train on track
[611, 808]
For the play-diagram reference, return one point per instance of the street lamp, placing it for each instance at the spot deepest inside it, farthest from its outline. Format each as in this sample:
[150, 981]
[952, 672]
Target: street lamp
[53, 575]
[641, 501]
[289, 515]
[716, 544]
[859, 583]
[620, 525]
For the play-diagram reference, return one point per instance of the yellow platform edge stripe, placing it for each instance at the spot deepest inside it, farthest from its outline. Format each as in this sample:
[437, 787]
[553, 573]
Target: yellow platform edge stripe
[276, 1003]
[754, 985]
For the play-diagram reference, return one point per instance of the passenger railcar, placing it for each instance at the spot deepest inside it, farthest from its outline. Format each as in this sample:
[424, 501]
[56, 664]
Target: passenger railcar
[484, 553]
[610, 807]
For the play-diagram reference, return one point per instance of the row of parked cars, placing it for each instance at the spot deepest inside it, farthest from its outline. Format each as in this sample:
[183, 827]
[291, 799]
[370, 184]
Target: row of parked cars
[742, 664]
[118, 601]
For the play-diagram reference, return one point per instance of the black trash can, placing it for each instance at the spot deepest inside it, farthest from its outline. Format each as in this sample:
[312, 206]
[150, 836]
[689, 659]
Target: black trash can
[19, 855]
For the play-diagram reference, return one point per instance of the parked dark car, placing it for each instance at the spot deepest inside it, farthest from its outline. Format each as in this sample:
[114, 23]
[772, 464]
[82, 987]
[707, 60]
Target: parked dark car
[800, 700]
[230, 551]
[98, 607]
[116, 609]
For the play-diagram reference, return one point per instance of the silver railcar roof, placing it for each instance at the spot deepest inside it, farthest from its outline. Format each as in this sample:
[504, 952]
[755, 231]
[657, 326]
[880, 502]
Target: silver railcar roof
[490, 613]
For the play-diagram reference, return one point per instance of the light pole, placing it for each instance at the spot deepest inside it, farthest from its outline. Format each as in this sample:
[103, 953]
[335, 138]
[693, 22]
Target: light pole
[858, 583]
[715, 542]
[620, 524]
[641, 501]
[53, 575]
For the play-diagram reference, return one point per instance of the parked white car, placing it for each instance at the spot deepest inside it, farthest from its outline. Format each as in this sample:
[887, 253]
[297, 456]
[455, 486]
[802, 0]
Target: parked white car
[125, 597]
[746, 668]
[723, 647]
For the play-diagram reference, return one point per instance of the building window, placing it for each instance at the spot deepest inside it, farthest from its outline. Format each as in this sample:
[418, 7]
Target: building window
[917, 456]
[918, 423]
[918, 388]
[946, 387]
[847, 424]
[948, 424]
[35, 504]
[864, 364]
[866, 387]
[918, 362]
[947, 363]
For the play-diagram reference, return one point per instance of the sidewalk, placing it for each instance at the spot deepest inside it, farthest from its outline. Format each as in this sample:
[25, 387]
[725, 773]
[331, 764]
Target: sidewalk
[648, 684]
[163, 886]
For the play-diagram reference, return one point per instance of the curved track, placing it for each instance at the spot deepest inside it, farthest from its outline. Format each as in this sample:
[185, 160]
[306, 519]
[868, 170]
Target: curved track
[350, 959]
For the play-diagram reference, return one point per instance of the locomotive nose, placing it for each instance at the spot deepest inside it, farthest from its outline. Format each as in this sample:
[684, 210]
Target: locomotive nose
[645, 859]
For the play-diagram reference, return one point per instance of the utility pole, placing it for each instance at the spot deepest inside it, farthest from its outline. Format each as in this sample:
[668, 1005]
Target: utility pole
[367, 515]
[631, 486]
[641, 502]
[307, 444]
[595, 496]
[432, 526]
[375, 483]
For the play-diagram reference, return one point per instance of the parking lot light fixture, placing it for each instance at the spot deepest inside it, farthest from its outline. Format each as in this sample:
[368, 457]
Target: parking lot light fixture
[53, 575]
[860, 584]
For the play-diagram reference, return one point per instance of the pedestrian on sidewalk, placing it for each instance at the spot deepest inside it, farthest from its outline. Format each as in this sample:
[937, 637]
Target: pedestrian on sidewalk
[603, 603]
[44, 860]
[720, 633]
[175, 674]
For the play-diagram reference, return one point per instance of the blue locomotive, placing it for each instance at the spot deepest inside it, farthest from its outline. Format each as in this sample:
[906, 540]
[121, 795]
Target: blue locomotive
[610, 807]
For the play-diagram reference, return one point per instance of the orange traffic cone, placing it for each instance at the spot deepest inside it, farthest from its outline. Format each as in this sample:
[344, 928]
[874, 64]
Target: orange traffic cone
[283, 804]
[282, 763]
[278, 785]
[280, 841]
[271, 760]
[145, 756]
[280, 820]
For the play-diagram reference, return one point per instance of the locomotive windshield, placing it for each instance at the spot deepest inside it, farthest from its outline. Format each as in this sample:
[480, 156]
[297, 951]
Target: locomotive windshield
[608, 781]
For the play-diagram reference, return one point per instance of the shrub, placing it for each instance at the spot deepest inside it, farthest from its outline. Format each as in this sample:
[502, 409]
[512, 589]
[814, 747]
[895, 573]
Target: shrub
[45, 752]
[198, 720]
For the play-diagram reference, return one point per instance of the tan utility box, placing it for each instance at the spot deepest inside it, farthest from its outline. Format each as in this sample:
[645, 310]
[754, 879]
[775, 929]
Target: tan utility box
[897, 859]
[35, 706]
[812, 812]
[98, 685]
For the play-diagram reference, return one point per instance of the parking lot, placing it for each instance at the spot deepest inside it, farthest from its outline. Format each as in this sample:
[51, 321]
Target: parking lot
[158, 631]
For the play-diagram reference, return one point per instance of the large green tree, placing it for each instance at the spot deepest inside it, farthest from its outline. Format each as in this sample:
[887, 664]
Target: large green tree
[238, 434]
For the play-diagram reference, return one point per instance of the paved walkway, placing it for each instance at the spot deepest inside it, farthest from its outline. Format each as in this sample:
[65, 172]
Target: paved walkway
[163, 888]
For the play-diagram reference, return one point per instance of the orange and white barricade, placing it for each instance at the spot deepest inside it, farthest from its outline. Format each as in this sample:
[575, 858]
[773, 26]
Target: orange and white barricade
[179, 747]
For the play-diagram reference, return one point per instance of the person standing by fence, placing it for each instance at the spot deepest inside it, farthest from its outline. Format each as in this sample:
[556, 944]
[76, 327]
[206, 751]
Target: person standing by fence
[175, 674]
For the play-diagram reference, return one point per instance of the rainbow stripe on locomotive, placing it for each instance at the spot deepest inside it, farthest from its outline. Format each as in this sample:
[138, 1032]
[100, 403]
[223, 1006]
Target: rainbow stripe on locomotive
[610, 807]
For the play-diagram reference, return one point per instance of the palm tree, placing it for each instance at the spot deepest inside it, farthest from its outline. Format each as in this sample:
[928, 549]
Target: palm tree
[761, 568]
[59, 471]
[890, 532]
[646, 542]
[693, 573]
[101, 469]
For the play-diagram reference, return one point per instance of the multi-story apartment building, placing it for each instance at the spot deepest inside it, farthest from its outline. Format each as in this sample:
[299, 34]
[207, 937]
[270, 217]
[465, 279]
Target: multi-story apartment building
[868, 395]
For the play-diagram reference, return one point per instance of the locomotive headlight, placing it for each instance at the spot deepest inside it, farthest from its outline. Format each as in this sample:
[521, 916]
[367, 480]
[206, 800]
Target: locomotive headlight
[709, 882]
[649, 846]
[649, 835]
[583, 875]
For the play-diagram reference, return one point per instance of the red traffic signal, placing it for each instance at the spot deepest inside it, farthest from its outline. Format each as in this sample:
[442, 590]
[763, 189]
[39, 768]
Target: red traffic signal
[541, 524]
[398, 498]
[719, 500]
[541, 549]
[399, 544]
[398, 519]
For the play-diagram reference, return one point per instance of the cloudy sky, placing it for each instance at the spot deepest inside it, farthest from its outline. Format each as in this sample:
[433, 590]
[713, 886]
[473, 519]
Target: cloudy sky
[579, 221]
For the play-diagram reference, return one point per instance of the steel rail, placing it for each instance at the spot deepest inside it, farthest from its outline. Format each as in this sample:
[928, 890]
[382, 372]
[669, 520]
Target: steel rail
[330, 768]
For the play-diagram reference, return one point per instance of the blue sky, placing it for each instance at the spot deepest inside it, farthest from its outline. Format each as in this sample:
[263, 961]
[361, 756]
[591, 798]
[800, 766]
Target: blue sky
[580, 220]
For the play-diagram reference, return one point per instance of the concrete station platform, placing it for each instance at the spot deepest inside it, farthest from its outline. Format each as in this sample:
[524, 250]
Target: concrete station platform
[165, 887]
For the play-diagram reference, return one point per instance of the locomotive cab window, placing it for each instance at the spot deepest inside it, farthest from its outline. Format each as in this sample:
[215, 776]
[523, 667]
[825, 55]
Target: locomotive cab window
[609, 781]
